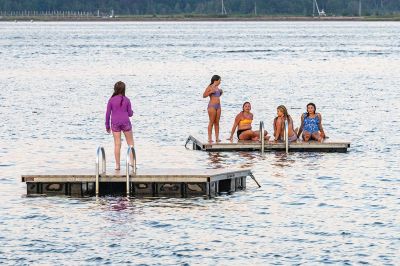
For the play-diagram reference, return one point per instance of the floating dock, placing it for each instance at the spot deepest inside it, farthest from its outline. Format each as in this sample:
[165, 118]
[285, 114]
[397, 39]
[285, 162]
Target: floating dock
[148, 183]
[299, 146]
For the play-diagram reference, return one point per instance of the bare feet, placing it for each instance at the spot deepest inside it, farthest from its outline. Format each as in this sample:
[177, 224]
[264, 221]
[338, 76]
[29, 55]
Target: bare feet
[117, 168]
[210, 141]
[218, 140]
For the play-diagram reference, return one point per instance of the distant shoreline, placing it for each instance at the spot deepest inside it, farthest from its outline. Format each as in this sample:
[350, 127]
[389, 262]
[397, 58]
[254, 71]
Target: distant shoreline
[193, 18]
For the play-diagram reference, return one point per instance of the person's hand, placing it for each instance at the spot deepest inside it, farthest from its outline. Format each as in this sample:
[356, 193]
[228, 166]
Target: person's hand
[322, 135]
[108, 130]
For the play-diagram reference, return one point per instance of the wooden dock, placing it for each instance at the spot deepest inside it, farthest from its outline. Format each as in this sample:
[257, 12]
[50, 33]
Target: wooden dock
[149, 183]
[299, 146]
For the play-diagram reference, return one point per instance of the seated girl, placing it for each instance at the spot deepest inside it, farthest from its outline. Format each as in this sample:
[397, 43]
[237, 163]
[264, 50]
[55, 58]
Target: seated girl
[243, 124]
[311, 124]
[279, 125]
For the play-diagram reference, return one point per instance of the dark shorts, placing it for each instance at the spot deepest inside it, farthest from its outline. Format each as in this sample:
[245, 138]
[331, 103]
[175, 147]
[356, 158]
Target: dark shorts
[241, 131]
[121, 127]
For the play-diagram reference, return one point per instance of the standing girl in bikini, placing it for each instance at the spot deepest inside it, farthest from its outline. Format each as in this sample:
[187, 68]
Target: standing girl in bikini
[311, 123]
[120, 109]
[214, 106]
[243, 124]
[279, 124]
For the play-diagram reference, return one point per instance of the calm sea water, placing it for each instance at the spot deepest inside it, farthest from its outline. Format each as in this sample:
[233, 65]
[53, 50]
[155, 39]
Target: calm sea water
[312, 208]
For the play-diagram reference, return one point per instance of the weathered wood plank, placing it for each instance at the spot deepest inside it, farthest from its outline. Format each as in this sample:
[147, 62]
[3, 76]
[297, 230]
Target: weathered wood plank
[150, 182]
[142, 176]
[326, 146]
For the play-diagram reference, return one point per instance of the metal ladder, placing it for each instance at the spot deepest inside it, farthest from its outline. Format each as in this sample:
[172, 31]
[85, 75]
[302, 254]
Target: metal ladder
[286, 136]
[262, 130]
[131, 150]
[103, 157]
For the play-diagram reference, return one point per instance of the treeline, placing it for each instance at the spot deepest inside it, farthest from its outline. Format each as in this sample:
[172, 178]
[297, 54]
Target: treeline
[208, 7]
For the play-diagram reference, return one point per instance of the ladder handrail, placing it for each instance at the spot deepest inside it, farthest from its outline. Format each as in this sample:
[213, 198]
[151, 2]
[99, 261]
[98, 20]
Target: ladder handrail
[262, 136]
[187, 141]
[103, 156]
[130, 150]
[254, 178]
[286, 136]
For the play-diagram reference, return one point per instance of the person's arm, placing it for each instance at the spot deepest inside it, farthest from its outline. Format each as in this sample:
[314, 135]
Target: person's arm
[301, 126]
[108, 114]
[129, 107]
[321, 130]
[235, 124]
[277, 128]
[207, 91]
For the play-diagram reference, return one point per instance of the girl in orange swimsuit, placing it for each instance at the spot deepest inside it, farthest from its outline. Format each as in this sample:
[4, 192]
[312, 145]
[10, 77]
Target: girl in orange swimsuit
[243, 124]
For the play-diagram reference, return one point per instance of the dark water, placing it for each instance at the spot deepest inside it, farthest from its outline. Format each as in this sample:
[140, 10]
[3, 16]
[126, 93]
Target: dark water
[312, 208]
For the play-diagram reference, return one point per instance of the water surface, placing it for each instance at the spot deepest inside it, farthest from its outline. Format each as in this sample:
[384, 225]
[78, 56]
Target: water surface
[312, 208]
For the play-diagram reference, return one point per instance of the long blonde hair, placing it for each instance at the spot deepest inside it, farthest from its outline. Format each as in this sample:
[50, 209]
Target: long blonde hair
[286, 115]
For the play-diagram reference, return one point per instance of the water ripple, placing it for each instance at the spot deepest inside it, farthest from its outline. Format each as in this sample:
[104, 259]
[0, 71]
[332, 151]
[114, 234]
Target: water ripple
[312, 208]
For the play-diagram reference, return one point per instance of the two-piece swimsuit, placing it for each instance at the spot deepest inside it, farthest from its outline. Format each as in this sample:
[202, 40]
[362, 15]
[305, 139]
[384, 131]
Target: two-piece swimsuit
[291, 138]
[216, 106]
[245, 121]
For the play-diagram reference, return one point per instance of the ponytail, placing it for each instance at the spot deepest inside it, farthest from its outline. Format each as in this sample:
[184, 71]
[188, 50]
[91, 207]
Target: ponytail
[119, 89]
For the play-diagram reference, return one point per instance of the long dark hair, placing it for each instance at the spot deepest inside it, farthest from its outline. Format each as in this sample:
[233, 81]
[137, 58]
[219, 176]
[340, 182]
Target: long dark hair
[315, 109]
[244, 105]
[119, 89]
[215, 78]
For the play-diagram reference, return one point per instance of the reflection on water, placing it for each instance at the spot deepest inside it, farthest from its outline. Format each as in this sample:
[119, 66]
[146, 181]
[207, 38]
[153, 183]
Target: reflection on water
[312, 208]
[282, 159]
[216, 159]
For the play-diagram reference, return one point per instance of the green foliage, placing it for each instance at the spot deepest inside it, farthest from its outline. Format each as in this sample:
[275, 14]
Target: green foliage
[206, 7]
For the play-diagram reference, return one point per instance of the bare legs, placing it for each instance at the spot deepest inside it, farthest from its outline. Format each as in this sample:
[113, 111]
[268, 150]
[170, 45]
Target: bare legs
[216, 125]
[117, 146]
[253, 135]
[314, 136]
[214, 116]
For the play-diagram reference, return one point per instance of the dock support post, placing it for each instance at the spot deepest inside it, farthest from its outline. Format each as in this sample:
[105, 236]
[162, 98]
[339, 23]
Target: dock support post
[103, 156]
[131, 150]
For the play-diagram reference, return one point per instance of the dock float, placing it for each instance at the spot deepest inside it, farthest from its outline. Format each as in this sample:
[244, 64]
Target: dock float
[142, 183]
[299, 146]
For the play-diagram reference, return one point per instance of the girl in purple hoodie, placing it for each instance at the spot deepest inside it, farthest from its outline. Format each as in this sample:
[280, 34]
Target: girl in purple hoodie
[119, 109]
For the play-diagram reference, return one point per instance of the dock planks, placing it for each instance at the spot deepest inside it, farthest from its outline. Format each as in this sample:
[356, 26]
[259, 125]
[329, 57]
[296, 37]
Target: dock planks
[150, 182]
[299, 146]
